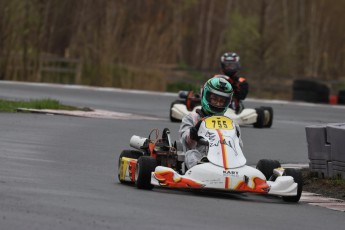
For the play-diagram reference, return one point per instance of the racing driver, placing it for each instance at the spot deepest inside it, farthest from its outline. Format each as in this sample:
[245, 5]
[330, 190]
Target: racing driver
[215, 99]
[230, 65]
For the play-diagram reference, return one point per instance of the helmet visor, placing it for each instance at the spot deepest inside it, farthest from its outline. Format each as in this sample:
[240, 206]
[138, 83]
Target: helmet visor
[217, 100]
[230, 66]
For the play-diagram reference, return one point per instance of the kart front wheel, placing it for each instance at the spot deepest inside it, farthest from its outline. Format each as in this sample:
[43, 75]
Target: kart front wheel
[260, 120]
[178, 102]
[267, 166]
[129, 154]
[268, 116]
[145, 166]
[297, 176]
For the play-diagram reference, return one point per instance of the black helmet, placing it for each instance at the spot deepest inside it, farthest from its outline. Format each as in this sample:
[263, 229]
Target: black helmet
[230, 63]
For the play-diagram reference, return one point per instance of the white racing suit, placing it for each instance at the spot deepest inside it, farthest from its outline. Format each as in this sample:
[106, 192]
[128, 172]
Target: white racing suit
[194, 151]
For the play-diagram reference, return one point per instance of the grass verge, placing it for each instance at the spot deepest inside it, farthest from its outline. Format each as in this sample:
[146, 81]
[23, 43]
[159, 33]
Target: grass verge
[328, 187]
[11, 106]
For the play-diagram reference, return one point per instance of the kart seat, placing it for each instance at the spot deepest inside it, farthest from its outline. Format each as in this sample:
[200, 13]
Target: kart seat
[203, 160]
[179, 151]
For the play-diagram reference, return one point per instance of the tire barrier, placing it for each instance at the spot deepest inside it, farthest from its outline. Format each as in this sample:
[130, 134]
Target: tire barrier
[310, 91]
[341, 97]
[326, 149]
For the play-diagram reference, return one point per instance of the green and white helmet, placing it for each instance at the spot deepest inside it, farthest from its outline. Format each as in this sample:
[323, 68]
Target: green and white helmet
[216, 96]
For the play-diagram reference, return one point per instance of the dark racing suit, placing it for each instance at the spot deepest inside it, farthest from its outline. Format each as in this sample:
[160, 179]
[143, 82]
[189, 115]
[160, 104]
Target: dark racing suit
[240, 87]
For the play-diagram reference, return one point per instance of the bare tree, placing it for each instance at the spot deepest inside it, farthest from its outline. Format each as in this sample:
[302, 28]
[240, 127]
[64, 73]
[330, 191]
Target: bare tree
[119, 40]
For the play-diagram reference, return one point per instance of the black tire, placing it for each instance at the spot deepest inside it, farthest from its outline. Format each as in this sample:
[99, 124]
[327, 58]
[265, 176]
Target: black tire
[303, 95]
[130, 154]
[268, 111]
[297, 176]
[145, 166]
[266, 166]
[310, 91]
[341, 97]
[172, 119]
[303, 84]
[260, 120]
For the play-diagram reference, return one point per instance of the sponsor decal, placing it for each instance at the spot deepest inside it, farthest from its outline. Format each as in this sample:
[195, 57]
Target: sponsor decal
[219, 122]
[214, 181]
[230, 173]
[127, 169]
[123, 167]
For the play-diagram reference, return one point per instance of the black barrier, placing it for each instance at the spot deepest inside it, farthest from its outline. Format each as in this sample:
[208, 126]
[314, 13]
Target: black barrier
[310, 91]
[341, 97]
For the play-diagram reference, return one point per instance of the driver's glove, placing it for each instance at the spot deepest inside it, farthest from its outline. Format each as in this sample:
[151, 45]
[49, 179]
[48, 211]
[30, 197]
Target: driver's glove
[193, 131]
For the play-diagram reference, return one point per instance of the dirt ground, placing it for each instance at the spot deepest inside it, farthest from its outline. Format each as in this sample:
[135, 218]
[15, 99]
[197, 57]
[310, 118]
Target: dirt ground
[328, 187]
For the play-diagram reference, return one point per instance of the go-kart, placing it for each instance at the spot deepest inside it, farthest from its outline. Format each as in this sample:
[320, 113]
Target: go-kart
[261, 117]
[158, 162]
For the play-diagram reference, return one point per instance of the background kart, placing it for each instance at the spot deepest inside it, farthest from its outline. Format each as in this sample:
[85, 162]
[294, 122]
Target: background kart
[188, 101]
[160, 163]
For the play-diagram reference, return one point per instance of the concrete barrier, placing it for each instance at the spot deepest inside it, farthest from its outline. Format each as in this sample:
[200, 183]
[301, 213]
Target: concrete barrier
[319, 150]
[336, 134]
[326, 149]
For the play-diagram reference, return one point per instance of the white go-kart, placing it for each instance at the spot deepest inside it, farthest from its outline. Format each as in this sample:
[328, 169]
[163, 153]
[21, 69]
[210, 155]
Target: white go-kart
[160, 163]
[261, 117]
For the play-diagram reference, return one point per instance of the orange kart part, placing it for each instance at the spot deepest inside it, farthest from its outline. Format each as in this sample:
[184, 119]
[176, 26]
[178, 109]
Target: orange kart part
[260, 186]
[170, 179]
[192, 100]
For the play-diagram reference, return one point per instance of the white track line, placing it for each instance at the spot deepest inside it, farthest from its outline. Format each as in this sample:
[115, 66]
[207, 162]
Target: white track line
[90, 114]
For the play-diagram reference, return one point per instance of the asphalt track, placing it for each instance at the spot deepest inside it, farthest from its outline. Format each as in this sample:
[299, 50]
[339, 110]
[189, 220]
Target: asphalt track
[58, 172]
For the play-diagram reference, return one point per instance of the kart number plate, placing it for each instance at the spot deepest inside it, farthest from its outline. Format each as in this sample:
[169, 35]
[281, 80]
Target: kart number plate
[218, 122]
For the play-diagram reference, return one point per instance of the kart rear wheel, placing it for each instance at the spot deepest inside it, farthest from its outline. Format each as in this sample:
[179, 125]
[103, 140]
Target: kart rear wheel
[297, 176]
[266, 166]
[260, 120]
[177, 102]
[129, 154]
[145, 166]
[268, 112]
